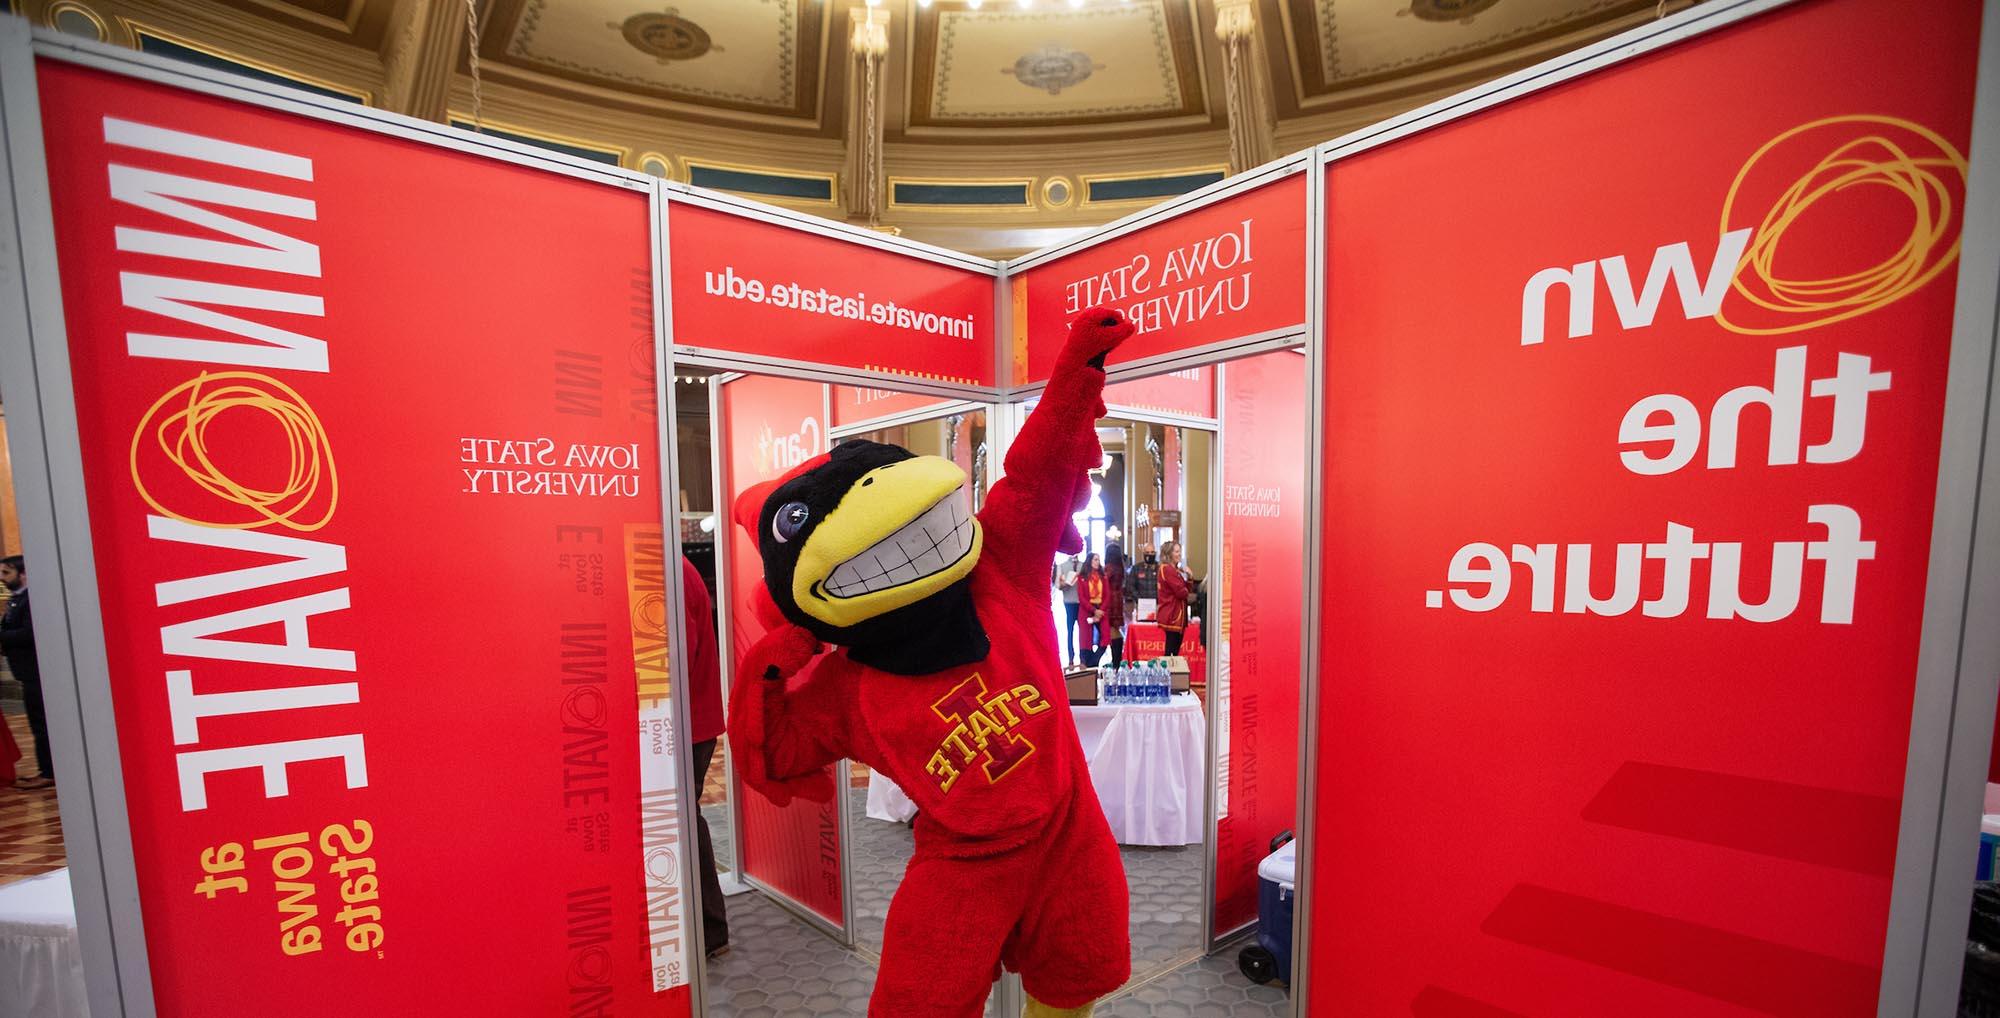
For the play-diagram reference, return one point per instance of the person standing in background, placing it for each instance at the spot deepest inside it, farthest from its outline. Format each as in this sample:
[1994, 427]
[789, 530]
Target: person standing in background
[1142, 580]
[1093, 594]
[1175, 588]
[1118, 601]
[17, 641]
[705, 726]
[1066, 576]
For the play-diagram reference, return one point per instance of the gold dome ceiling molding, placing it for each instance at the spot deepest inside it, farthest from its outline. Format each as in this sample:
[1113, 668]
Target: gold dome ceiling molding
[361, 22]
[1125, 66]
[1350, 54]
[759, 63]
[963, 71]
[882, 105]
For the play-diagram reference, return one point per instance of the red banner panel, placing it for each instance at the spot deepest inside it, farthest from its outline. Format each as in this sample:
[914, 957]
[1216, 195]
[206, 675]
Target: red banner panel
[1261, 603]
[856, 404]
[1189, 391]
[1628, 511]
[768, 426]
[1233, 268]
[382, 608]
[750, 287]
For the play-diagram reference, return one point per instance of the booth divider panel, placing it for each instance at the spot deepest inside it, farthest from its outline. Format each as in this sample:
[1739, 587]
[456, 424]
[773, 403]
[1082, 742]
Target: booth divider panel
[1616, 675]
[763, 289]
[770, 425]
[1187, 391]
[1262, 605]
[853, 404]
[417, 586]
[1234, 267]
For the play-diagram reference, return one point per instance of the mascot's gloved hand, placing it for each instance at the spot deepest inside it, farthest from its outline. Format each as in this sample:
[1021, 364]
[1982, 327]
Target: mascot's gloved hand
[759, 697]
[1092, 336]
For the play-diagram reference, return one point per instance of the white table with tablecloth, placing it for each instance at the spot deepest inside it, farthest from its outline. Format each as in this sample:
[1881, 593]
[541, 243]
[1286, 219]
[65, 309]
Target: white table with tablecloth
[1147, 761]
[41, 965]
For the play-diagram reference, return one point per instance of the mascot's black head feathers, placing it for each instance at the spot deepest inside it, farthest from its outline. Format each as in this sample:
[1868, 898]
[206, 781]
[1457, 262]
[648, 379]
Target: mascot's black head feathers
[871, 547]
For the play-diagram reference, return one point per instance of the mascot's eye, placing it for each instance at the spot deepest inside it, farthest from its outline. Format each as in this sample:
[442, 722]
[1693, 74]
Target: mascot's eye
[791, 519]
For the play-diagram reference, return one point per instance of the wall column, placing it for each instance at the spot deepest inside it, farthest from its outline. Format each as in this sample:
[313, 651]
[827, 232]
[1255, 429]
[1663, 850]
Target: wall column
[1247, 85]
[866, 84]
[419, 54]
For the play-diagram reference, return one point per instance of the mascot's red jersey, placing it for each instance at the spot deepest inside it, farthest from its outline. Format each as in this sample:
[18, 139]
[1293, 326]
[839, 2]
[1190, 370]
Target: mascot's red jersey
[948, 681]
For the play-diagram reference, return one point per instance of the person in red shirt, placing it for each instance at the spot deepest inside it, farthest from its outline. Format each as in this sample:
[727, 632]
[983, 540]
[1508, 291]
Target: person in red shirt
[949, 682]
[1117, 602]
[1176, 587]
[1091, 609]
[704, 692]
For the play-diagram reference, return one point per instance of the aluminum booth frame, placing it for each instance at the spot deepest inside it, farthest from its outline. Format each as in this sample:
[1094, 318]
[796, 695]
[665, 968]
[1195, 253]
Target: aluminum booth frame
[1959, 667]
[51, 493]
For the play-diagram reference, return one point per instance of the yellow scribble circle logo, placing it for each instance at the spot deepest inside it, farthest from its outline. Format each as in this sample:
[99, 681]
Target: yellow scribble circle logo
[1883, 154]
[649, 615]
[290, 482]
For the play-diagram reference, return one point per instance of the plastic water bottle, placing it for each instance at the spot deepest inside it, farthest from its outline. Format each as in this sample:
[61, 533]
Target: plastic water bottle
[1161, 683]
[1105, 692]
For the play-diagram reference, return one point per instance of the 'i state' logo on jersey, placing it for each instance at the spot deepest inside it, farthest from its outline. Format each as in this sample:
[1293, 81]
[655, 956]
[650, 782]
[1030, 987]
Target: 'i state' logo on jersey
[982, 731]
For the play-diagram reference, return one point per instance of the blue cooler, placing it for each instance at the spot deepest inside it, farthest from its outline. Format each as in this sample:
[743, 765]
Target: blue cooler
[1271, 957]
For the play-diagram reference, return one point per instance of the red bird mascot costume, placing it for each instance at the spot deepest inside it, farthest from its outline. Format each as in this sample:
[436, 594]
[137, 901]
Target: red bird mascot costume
[949, 683]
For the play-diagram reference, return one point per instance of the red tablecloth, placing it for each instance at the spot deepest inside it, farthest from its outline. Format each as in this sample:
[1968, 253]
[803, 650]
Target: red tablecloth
[1145, 641]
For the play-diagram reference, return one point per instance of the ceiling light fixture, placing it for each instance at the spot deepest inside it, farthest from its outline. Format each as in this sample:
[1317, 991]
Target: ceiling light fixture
[1074, 4]
[975, 4]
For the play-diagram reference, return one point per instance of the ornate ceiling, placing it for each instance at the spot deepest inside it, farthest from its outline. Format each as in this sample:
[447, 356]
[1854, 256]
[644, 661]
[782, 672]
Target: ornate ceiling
[358, 20]
[1054, 65]
[968, 113]
[1337, 45]
[739, 56]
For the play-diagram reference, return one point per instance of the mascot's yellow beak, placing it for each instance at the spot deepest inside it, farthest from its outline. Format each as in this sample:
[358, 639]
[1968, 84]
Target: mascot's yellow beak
[902, 533]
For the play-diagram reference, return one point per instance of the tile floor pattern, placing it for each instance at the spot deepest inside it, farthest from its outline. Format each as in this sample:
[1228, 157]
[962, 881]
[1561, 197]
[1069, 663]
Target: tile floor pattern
[881, 851]
[1168, 975]
[777, 967]
[31, 840]
[1209, 988]
[720, 832]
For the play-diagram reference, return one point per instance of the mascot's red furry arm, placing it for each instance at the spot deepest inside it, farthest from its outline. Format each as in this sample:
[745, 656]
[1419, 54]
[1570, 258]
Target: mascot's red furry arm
[948, 681]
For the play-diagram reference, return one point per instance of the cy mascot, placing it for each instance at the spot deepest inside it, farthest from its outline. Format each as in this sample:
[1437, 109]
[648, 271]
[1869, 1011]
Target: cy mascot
[947, 679]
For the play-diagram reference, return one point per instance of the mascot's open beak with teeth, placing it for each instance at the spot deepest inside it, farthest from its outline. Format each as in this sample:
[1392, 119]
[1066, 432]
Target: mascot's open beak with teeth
[903, 532]
[862, 532]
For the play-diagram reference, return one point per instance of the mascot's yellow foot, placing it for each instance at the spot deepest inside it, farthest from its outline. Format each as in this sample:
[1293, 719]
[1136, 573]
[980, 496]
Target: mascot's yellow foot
[1037, 1009]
